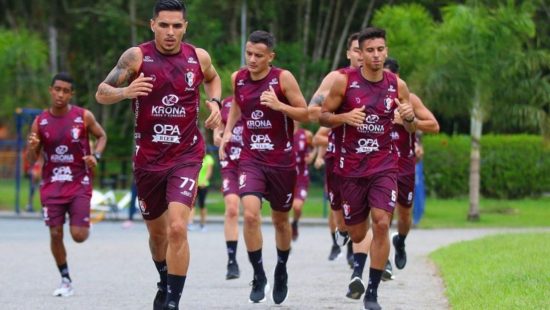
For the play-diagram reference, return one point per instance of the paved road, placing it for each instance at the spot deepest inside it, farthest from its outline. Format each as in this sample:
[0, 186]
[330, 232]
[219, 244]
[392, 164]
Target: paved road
[113, 270]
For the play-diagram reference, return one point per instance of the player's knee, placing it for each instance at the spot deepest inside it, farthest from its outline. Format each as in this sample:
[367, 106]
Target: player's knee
[232, 211]
[251, 218]
[56, 234]
[177, 232]
[280, 224]
[80, 236]
[380, 225]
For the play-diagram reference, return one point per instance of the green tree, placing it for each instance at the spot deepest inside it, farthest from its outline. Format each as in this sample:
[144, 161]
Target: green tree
[474, 45]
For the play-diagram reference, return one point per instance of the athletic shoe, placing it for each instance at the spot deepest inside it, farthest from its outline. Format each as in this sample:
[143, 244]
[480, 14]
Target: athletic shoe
[233, 271]
[400, 258]
[260, 288]
[349, 254]
[371, 305]
[356, 288]
[65, 289]
[171, 306]
[334, 252]
[388, 272]
[294, 230]
[160, 298]
[342, 238]
[280, 288]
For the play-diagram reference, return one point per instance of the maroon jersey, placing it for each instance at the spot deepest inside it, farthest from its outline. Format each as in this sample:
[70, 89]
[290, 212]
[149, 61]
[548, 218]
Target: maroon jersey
[65, 143]
[368, 149]
[234, 147]
[404, 142]
[166, 130]
[267, 134]
[301, 150]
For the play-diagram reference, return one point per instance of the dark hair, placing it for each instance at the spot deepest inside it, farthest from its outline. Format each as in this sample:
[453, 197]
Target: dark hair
[352, 37]
[169, 5]
[260, 36]
[63, 76]
[392, 64]
[371, 33]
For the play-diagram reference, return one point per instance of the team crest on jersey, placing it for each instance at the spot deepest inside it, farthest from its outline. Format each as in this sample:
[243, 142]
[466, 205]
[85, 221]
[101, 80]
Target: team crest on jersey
[78, 120]
[388, 103]
[75, 133]
[43, 122]
[190, 79]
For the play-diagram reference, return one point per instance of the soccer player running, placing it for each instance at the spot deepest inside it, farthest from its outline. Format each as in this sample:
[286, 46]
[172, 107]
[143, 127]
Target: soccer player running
[230, 186]
[267, 99]
[364, 100]
[60, 135]
[324, 140]
[163, 78]
[304, 156]
[426, 122]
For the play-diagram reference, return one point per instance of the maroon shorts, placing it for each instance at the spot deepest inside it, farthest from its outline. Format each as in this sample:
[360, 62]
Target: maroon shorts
[405, 190]
[359, 195]
[230, 181]
[332, 181]
[300, 190]
[78, 209]
[156, 189]
[274, 183]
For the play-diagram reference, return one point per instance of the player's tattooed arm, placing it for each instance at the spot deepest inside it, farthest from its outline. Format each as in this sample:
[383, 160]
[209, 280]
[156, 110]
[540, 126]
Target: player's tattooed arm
[110, 90]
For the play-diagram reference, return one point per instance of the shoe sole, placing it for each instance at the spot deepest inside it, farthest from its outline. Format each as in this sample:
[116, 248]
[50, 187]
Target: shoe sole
[232, 276]
[71, 293]
[266, 292]
[356, 288]
[335, 258]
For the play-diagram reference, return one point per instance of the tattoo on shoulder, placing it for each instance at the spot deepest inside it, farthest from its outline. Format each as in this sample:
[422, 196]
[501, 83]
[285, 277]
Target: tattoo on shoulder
[123, 70]
[318, 100]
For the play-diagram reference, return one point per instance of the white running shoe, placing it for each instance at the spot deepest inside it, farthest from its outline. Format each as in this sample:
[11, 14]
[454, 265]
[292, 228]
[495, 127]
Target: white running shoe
[65, 289]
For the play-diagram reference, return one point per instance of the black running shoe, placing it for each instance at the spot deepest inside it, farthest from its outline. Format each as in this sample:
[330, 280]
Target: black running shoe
[334, 252]
[400, 258]
[160, 297]
[280, 288]
[371, 305]
[388, 272]
[260, 288]
[342, 237]
[233, 271]
[294, 230]
[356, 288]
[171, 306]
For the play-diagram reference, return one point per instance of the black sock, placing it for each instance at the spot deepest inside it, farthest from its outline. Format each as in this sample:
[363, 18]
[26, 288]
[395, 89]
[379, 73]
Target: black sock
[174, 288]
[401, 239]
[333, 235]
[231, 251]
[257, 263]
[359, 260]
[350, 248]
[282, 258]
[64, 271]
[163, 271]
[374, 280]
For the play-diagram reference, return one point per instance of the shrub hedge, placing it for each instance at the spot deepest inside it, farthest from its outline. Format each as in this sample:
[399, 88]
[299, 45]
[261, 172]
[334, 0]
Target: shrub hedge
[512, 166]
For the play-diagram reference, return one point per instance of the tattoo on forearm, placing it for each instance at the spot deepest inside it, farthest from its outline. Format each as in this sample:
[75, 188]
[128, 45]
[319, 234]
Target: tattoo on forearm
[317, 100]
[123, 71]
[106, 91]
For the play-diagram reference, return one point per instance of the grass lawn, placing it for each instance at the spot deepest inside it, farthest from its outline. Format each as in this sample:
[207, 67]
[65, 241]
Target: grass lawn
[508, 271]
[439, 213]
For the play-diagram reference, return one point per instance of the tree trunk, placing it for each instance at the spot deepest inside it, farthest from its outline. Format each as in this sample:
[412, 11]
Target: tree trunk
[476, 124]
[343, 35]
[335, 26]
[133, 21]
[368, 14]
[324, 34]
[305, 40]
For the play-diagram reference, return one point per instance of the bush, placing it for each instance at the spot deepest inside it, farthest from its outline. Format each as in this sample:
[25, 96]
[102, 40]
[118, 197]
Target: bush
[512, 166]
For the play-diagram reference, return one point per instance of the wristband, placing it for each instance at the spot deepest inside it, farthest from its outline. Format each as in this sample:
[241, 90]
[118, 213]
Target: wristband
[97, 156]
[410, 120]
[218, 101]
